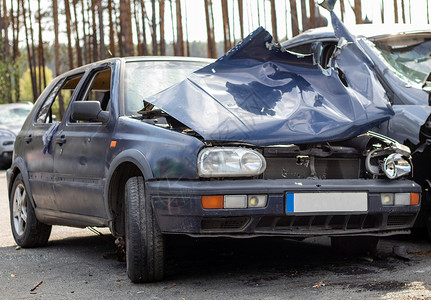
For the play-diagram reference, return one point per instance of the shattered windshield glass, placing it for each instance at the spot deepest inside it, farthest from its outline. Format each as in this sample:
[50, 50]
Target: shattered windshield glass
[146, 78]
[409, 55]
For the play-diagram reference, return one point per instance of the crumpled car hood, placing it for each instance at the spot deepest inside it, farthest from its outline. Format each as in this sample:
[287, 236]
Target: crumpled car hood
[260, 95]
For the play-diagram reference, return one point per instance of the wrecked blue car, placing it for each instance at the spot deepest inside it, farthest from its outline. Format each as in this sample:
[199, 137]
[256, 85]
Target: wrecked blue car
[400, 57]
[257, 143]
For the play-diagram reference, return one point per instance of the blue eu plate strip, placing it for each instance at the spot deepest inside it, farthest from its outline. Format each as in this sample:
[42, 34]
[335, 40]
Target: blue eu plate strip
[289, 202]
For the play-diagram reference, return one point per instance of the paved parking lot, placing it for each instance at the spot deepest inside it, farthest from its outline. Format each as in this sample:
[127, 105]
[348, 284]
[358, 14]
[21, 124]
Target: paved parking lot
[78, 264]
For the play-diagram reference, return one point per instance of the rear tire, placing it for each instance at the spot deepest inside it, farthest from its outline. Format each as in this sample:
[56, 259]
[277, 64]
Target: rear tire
[355, 245]
[144, 241]
[27, 231]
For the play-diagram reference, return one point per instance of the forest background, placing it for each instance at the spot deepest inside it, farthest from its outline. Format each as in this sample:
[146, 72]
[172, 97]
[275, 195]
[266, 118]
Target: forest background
[42, 39]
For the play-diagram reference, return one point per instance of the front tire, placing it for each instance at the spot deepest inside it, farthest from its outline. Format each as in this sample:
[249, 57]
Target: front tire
[144, 241]
[27, 231]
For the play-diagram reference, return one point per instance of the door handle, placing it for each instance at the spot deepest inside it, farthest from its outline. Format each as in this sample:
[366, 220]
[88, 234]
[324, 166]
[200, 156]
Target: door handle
[28, 139]
[61, 140]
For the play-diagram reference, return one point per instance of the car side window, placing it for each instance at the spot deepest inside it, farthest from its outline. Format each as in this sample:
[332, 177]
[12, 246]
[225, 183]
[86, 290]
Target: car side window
[99, 88]
[56, 103]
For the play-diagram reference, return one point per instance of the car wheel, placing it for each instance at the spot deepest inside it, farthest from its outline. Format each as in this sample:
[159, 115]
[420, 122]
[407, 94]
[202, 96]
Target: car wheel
[144, 241]
[355, 245]
[26, 229]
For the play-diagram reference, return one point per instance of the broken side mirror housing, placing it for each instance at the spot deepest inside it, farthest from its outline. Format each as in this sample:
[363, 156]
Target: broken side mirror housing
[89, 111]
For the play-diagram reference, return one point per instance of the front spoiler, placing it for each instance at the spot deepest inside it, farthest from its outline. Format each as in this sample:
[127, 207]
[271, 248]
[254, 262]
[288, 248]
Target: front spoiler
[178, 209]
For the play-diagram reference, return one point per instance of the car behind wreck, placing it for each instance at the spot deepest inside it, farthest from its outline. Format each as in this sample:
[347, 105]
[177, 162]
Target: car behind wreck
[401, 60]
[257, 143]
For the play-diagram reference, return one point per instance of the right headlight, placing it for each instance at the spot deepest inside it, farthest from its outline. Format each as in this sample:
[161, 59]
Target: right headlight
[230, 162]
[395, 166]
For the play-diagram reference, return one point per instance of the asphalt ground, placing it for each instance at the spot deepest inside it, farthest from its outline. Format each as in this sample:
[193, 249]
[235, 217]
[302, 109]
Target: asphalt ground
[81, 264]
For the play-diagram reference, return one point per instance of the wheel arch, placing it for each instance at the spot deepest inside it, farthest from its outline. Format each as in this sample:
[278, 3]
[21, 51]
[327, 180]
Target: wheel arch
[19, 167]
[128, 164]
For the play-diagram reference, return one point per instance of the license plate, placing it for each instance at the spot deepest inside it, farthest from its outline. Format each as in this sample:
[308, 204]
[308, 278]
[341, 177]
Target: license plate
[326, 202]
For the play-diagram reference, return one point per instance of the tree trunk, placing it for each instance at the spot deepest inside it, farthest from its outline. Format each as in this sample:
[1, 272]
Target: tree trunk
[274, 21]
[187, 34]
[211, 47]
[111, 29]
[94, 29]
[382, 11]
[7, 61]
[403, 11]
[69, 35]
[138, 26]
[241, 17]
[119, 33]
[358, 12]
[294, 17]
[84, 25]
[153, 27]
[102, 47]
[226, 27]
[305, 20]
[33, 49]
[162, 27]
[57, 53]
[15, 52]
[343, 10]
[180, 39]
[40, 47]
[173, 28]
[29, 53]
[396, 11]
[144, 31]
[126, 28]
[77, 46]
[313, 13]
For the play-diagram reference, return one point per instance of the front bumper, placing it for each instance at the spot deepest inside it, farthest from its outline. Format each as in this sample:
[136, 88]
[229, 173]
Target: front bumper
[178, 208]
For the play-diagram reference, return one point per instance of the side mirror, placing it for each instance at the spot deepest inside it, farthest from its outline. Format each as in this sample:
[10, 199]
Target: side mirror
[89, 111]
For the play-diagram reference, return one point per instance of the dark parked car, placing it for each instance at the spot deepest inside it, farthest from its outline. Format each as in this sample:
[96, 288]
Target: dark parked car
[257, 143]
[401, 58]
[12, 117]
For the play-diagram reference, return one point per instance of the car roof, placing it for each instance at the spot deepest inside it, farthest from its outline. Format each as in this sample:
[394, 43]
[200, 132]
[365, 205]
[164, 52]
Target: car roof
[370, 31]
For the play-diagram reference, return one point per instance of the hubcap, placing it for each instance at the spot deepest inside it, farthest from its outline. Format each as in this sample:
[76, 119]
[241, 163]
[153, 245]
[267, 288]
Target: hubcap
[19, 209]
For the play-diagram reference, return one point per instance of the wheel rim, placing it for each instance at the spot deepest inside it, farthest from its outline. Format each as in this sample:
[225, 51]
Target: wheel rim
[19, 209]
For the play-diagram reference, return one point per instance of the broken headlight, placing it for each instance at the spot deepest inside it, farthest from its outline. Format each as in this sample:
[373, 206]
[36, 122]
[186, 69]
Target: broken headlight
[230, 162]
[389, 158]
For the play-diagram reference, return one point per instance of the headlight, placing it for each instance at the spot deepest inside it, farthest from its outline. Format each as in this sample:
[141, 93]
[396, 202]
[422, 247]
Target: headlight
[230, 162]
[396, 166]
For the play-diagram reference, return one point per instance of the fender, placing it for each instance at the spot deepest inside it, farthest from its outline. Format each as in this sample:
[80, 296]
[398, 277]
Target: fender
[134, 156]
[407, 122]
[19, 164]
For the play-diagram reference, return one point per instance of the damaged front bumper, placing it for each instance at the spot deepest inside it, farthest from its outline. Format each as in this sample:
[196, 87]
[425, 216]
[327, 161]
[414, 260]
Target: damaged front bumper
[178, 208]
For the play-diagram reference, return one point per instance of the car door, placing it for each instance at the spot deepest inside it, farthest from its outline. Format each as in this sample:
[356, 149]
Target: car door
[38, 153]
[80, 151]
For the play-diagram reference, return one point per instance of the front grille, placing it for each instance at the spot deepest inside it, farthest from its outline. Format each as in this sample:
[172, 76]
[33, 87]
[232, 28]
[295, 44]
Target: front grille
[319, 223]
[228, 223]
[395, 219]
[324, 168]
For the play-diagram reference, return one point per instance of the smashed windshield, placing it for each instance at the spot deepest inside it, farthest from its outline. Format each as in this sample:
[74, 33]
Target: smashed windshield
[13, 116]
[409, 55]
[146, 78]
